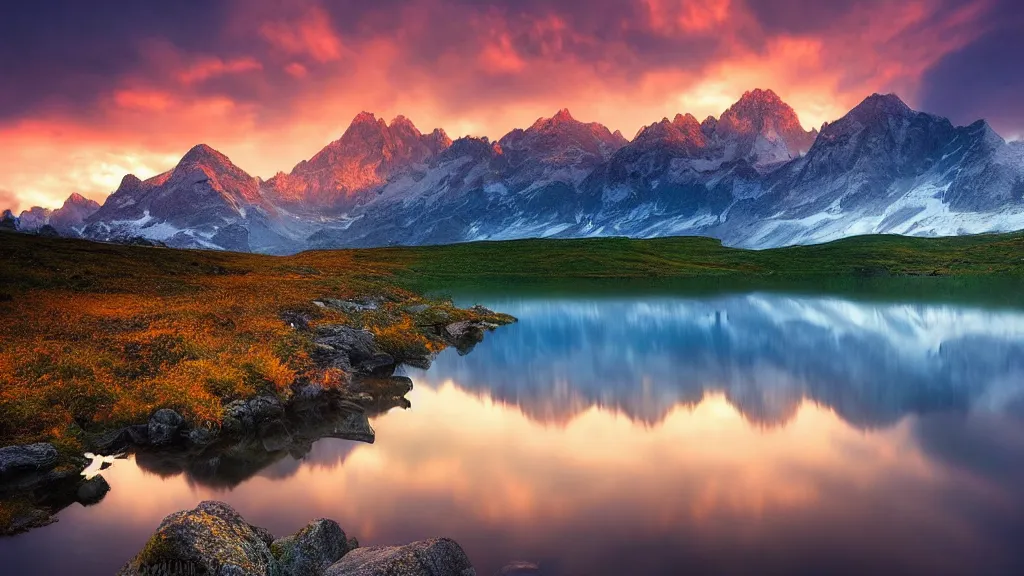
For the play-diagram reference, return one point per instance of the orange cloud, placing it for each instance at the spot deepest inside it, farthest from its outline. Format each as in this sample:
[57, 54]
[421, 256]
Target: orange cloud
[311, 35]
[146, 100]
[501, 57]
[211, 67]
[675, 16]
[296, 70]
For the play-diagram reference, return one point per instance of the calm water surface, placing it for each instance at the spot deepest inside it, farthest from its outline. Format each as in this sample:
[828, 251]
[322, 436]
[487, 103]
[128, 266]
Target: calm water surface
[735, 435]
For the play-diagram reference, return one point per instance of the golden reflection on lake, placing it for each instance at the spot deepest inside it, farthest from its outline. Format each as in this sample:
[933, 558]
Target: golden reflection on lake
[461, 465]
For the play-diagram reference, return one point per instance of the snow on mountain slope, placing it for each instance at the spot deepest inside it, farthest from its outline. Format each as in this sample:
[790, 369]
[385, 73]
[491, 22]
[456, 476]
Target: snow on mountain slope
[753, 178]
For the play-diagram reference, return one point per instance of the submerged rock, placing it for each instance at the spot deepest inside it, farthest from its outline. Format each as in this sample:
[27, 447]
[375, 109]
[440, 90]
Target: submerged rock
[27, 458]
[520, 569]
[210, 539]
[437, 557]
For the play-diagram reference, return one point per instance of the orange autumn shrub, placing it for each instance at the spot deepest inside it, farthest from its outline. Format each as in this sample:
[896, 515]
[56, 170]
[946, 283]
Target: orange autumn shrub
[95, 336]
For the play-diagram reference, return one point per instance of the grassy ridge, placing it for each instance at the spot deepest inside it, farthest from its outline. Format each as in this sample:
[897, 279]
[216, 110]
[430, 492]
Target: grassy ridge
[984, 269]
[864, 256]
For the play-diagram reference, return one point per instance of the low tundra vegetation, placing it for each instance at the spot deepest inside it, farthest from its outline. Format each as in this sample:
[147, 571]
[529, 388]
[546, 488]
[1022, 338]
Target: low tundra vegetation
[98, 336]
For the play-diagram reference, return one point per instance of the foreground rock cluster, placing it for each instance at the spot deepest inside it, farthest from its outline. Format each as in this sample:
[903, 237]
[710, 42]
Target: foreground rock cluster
[35, 484]
[214, 540]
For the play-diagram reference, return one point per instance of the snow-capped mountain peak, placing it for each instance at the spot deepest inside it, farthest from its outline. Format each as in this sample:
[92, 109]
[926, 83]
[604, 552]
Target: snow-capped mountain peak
[752, 177]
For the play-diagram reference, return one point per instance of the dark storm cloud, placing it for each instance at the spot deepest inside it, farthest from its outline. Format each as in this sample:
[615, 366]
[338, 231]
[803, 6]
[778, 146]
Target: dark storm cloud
[986, 78]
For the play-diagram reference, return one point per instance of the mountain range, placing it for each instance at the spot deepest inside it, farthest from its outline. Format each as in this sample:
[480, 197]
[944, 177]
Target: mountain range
[752, 178]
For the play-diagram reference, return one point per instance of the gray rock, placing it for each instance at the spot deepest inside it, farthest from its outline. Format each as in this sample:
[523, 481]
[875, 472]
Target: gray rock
[15, 460]
[418, 308]
[350, 349]
[437, 557]
[347, 305]
[139, 434]
[164, 427]
[265, 408]
[464, 335]
[92, 491]
[210, 539]
[312, 549]
[201, 435]
[237, 418]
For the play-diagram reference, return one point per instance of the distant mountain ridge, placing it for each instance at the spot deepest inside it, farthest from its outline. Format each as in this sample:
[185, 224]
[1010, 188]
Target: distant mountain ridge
[752, 177]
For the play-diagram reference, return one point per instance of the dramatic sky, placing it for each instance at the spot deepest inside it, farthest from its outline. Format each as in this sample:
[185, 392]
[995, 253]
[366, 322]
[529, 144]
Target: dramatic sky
[93, 90]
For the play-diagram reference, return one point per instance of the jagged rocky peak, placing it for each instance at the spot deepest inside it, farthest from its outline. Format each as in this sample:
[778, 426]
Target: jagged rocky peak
[881, 105]
[76, 199]
[473, 147]
[563, 130]
[204, 155]
[760, 128]
[878, 113]
[760, 111]
[683, 130]
[129, 182]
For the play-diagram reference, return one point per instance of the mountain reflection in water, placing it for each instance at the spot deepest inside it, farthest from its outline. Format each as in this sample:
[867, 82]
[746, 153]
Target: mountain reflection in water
[744, 434]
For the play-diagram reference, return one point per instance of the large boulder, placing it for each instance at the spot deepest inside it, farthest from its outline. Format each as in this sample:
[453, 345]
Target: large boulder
[310, 551]
[210, 539]
[15, 460]
[437, 557]
[164, 427]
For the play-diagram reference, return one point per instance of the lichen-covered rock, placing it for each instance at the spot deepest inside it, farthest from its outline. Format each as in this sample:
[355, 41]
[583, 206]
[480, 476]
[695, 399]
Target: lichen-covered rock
[437, 557]
[310, 551]
[15, 460]
[164, 427]
[210, 539]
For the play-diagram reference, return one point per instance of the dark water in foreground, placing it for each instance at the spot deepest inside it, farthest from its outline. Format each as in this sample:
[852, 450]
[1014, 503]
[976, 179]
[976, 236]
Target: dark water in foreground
[737, 435]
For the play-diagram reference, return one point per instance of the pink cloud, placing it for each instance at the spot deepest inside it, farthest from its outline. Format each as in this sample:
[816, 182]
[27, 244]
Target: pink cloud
[211, 67]
[310, 35]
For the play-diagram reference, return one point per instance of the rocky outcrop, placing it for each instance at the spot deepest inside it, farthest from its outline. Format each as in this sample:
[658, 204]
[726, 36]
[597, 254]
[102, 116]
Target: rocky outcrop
[437, 557]
[209, 539]
[35, 485]
[213, 539]
[27, 458]
[350, 350]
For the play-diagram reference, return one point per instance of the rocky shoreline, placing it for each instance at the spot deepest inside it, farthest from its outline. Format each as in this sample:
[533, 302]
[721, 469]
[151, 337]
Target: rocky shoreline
[37, 481]
[213, 539]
